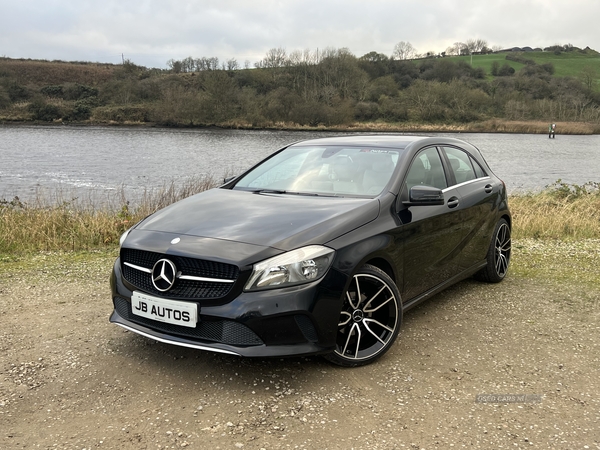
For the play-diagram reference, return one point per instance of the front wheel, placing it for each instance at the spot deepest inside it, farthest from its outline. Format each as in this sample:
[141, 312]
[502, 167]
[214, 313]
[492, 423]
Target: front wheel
[498, 257]
[370, 318]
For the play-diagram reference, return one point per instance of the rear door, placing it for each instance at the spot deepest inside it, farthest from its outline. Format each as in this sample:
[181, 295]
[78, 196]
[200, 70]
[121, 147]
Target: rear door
[479, 194]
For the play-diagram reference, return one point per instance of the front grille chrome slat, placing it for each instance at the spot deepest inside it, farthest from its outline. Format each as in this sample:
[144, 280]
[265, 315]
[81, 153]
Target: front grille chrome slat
[199, 279]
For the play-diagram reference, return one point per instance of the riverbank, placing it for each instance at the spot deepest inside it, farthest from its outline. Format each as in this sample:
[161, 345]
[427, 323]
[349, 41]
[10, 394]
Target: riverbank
[487, 126]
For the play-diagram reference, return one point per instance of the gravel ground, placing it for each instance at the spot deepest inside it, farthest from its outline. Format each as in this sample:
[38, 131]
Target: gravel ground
[71, 380]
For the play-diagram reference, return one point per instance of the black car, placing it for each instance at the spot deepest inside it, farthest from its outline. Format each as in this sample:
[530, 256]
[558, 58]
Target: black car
[318, 249]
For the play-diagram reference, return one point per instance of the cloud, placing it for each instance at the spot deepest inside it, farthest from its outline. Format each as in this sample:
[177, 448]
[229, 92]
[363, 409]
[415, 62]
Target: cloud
[150, 32]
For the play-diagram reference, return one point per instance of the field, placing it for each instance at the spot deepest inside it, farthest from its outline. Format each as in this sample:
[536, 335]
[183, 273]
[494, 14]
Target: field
[566, 64]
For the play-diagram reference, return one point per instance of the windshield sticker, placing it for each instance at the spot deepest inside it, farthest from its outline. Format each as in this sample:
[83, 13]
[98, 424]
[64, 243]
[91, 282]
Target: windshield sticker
[371, 150]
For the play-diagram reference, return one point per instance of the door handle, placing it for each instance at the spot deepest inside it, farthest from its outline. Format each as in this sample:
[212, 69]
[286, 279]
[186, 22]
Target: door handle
[452, 202]
[488, 188]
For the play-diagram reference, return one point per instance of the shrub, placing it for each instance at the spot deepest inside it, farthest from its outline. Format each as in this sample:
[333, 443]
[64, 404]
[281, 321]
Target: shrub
[132, 113]
[53, 91]
[81, 111]
[43, 111]
[506, 70]
[366, 111]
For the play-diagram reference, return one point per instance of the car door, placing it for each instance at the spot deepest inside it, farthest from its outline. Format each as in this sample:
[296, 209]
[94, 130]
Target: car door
[478, 193]
[430, 234]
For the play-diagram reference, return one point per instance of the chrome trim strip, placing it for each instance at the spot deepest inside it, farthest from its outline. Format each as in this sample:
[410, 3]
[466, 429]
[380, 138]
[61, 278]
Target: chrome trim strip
[465, 183]
[211, 280]
[183, 277]
[181, 344]
[141, 269]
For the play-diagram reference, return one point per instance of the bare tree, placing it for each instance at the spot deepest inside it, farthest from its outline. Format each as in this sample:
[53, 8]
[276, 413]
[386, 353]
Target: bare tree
[188, 65]
[456, 49]
[174, 65]
[475, 46]
[588, 76]
[471, 46]
[275, 57]
[480, 45]
[205, 63]
[232, 64]
[404, 50]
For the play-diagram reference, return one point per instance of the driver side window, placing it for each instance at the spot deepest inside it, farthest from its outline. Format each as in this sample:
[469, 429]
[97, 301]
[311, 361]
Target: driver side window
[427, 170]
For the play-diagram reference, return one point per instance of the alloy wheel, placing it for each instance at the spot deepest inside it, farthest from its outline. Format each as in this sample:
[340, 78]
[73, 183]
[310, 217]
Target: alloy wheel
[369, 320]
[503, 249]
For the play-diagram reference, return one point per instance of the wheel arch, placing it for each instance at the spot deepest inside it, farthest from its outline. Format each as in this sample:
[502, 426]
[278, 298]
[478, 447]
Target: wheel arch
[384, 265]
[508, 219]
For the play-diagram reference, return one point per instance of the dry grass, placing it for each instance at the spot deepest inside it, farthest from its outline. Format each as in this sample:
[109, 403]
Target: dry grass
[488, 126]
[60, 222]
[560, 212]
[27, 72]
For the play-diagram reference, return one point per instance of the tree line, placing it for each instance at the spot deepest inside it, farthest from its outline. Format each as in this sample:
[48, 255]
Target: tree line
[323, 87]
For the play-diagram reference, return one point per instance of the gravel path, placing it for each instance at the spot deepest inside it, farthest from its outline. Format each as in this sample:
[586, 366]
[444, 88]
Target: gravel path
[71, 380]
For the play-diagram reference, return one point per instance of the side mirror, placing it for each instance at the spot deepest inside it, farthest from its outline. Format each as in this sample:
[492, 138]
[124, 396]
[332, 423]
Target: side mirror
[425, 196]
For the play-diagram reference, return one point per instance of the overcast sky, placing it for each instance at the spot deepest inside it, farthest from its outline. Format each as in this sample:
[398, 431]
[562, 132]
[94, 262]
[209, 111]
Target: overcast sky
[150, 32]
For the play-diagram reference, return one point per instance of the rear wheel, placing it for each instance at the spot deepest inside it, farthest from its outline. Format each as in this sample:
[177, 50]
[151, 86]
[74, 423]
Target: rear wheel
[498, 257]
[370, 318]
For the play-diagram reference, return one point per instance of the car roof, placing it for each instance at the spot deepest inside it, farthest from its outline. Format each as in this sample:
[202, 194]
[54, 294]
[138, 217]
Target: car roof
[387, 140]
[396, 141]
[393, 141]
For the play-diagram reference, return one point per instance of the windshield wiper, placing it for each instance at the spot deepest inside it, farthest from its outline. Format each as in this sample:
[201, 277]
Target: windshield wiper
[316, 194]
[280, 191]
[270, 191]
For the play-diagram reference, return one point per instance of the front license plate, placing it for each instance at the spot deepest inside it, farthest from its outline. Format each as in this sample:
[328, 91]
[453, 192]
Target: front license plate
[184, 314]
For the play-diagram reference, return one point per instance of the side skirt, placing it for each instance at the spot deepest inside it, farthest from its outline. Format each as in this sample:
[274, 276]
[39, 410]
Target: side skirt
[440, 287]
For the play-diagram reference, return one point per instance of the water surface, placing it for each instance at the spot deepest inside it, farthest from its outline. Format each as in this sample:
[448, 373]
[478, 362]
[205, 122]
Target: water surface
[105, 159]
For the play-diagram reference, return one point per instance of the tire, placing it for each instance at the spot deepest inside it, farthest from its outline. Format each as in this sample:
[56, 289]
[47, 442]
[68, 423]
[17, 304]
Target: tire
[369, 322]
[498, 256]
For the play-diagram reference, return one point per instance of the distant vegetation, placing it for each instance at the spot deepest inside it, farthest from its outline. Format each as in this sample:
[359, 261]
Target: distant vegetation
[478, 90]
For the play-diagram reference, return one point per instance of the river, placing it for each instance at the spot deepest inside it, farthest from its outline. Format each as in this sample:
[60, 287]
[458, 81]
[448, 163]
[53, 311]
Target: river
[84, 159]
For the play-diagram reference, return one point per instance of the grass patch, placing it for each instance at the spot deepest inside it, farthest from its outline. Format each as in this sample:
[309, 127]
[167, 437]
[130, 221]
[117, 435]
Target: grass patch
[566, 64]
[59, 265]
[561, 262]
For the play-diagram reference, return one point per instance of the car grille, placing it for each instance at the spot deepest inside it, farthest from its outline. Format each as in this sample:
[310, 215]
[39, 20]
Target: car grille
[182, 289]
[222, 331]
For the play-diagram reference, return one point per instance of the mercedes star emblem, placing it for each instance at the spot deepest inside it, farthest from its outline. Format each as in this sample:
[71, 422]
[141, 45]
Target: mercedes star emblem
[163, 275]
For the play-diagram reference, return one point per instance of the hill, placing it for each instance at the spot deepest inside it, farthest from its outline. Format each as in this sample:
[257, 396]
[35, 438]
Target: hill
[331, 89]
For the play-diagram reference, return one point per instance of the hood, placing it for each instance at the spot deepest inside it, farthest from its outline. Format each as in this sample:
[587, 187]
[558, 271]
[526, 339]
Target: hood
[282, 221]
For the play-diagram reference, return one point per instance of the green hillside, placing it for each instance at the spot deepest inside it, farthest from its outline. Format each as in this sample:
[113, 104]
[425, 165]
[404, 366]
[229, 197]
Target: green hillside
[329, 89]
[566, 64]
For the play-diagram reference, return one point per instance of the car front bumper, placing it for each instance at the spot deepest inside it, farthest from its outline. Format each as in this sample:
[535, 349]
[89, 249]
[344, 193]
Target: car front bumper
[291, 321]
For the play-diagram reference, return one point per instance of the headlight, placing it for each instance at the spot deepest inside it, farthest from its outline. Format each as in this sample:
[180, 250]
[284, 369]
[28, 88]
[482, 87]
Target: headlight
[123, 237]
[296, 267]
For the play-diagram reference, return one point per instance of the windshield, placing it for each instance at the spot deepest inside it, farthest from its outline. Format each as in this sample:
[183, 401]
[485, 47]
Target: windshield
[318, 170]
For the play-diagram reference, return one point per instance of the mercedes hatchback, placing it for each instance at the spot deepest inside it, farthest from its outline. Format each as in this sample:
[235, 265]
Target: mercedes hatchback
[318, 249]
